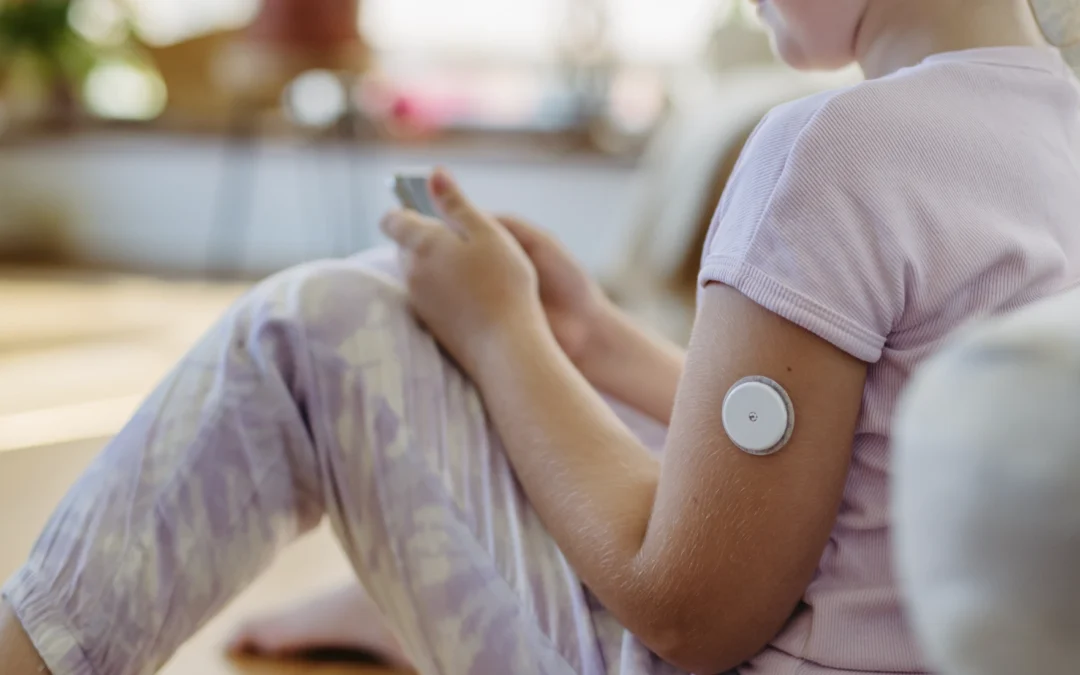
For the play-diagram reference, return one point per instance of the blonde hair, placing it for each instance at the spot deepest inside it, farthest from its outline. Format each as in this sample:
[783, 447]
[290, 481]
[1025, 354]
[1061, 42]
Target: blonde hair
[1060, 21]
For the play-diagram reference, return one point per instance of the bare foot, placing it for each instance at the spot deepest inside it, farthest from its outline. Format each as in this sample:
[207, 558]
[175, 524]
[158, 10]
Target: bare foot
[344, 618]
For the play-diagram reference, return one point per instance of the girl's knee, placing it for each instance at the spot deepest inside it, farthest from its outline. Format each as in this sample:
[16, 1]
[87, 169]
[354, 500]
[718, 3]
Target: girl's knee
[331, 299]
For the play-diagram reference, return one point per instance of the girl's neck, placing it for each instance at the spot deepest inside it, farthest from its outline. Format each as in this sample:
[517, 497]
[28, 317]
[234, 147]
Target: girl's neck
[897, 34]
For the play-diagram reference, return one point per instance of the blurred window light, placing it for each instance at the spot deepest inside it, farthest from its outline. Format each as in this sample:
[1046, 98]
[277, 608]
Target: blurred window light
[641, 31]
[317, 98]
[668, 31]
[518, 28]
[99, 21]
[163, 22]
[121, 90]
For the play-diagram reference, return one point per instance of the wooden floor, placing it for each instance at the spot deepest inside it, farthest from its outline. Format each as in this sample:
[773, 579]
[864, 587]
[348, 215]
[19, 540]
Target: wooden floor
[76, 356]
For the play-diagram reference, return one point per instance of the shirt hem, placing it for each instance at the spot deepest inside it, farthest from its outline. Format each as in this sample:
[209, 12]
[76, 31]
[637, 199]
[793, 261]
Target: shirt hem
[777, 297]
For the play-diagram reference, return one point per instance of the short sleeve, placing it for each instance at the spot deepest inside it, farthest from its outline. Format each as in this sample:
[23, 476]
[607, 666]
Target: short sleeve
[802, 229]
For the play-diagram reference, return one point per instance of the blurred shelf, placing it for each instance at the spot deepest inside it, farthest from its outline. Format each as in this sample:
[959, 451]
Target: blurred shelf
[491, 144]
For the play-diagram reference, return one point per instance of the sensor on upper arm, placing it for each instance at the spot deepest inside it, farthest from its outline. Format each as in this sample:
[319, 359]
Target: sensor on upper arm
[758, 415]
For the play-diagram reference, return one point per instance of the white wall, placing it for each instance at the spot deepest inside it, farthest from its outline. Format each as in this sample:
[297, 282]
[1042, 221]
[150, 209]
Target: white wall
[150, 201]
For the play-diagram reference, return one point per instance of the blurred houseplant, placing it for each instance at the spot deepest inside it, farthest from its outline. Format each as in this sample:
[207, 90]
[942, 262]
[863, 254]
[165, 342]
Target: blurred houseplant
[42, 59]
[48, 67]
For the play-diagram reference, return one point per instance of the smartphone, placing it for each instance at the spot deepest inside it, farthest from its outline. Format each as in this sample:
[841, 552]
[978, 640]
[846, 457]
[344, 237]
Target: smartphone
[411, 190]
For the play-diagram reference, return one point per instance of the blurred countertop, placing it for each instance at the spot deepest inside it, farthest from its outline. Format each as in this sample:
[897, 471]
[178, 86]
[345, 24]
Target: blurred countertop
[181, 205]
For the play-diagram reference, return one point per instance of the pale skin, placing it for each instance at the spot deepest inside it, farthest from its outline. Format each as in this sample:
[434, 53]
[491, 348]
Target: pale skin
[663, 542]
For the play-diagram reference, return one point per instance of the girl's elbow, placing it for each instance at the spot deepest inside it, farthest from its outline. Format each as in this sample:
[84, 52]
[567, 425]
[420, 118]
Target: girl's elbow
[696, 641]
[696, 651]
[700, 624]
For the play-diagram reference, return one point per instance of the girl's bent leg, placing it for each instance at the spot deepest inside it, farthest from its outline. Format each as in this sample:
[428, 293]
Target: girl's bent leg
[316, 395]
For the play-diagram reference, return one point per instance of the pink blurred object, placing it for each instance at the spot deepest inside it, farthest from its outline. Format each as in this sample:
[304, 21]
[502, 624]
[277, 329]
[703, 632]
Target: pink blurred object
[412, 116]
[412, 109]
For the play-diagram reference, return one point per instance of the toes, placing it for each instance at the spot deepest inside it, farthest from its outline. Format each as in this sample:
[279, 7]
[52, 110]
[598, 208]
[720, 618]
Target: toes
[247, 641]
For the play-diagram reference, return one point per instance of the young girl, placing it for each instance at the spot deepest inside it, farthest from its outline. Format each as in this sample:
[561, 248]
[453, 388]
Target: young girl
[502, 516]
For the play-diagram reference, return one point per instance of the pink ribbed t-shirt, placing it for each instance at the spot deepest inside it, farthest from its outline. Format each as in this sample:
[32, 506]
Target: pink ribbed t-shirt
[882, 217]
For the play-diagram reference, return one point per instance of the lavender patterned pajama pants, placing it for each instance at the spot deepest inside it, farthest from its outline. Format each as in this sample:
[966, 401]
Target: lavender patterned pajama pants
[317, 395]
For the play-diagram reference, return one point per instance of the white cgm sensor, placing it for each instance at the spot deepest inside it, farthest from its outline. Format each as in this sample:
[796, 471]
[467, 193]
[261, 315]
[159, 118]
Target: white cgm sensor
[758, 415]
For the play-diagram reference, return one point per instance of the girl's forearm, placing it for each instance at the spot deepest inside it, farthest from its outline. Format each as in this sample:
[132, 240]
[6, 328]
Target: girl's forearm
[632, 364]
[590, 480]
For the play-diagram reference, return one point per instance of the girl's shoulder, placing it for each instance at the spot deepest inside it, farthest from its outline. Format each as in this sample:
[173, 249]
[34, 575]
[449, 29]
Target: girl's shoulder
[921, 111]
[863, 116]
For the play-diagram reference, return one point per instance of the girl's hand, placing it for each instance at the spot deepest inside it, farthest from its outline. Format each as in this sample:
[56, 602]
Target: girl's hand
[575, 305]
[469, 280]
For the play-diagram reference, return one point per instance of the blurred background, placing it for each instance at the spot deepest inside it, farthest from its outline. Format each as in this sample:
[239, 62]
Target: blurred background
[157, 156]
